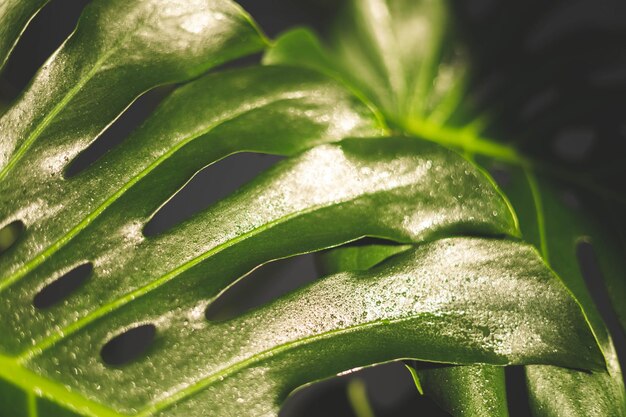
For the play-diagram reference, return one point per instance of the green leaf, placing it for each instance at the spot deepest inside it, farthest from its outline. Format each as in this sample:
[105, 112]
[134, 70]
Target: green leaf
[14, 16]
[381, 179]
[364, 60]
[450, 299]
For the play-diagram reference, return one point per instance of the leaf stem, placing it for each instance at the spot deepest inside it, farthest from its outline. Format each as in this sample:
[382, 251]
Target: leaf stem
[465, 139]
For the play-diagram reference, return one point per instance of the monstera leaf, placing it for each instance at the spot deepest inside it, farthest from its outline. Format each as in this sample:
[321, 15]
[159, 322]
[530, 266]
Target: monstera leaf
[81, 277]
[409, 43]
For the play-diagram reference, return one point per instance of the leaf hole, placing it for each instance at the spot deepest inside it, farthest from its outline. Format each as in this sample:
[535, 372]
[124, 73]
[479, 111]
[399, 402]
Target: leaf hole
[118, 131]
[63, 287]
[208, 186]
[129, 345]
[575, 143]
[262, 286]
[9, 234]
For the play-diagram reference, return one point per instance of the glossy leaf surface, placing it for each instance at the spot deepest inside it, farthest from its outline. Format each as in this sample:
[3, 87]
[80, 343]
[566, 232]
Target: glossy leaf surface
[165, 298]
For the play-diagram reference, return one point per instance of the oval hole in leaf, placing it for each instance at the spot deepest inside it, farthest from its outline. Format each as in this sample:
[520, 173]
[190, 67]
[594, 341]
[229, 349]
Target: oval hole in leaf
[63, 287]
[574, 144]
[115, 134]
[208, 186]
[9, 234]
[129, 345]
[263, 285]
[593, 275]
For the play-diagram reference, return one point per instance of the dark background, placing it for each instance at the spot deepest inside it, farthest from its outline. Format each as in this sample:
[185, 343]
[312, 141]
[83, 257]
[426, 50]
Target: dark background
[534, 58]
